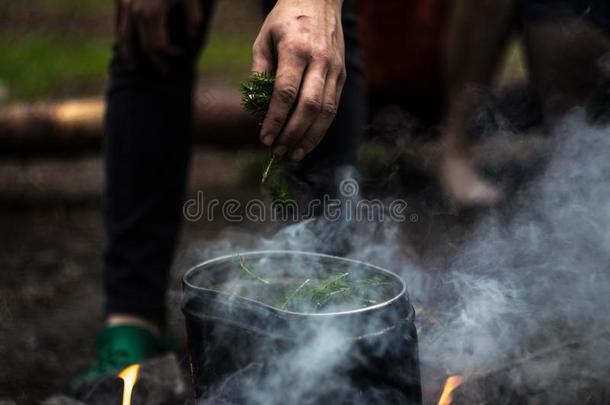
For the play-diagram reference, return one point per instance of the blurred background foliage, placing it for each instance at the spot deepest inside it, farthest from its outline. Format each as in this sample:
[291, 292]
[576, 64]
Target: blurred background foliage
[57, 48]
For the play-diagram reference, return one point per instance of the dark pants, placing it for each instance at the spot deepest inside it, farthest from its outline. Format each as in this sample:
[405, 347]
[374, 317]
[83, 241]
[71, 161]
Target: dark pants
[146, 147]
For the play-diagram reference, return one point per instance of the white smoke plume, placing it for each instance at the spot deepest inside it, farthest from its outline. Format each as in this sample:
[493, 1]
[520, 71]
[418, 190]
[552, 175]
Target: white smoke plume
[528, 276]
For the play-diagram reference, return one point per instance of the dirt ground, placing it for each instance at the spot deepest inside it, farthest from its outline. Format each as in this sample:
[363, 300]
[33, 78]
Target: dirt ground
[50, 284]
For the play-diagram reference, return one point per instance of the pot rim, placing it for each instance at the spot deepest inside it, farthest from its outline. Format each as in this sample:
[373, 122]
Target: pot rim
[191, 286]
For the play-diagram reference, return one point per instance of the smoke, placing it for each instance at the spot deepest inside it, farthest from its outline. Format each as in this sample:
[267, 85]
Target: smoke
[527, 277]
[302, 372]
[539, 275]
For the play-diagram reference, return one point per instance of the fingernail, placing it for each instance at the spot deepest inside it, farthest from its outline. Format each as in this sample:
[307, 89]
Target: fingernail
[298, 154]
[267, 140]
[280, 150]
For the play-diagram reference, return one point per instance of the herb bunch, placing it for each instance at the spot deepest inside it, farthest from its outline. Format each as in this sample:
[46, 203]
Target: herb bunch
[256, 94]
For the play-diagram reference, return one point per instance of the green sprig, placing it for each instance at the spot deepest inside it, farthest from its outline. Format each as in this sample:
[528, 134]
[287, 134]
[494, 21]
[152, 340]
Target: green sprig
[256, 94]
[294, 293]
[332, 289]
[246, 268]
[256, 97]
[270, 165]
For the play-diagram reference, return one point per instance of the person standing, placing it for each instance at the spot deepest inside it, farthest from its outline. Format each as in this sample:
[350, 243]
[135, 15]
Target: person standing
[316, 118]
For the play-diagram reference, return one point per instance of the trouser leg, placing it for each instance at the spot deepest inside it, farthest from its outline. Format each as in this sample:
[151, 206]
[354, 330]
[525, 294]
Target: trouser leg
[146, 151]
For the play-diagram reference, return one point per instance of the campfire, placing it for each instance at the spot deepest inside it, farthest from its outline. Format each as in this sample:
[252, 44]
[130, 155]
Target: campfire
[536, 378]
[129, 377]
[450, 385]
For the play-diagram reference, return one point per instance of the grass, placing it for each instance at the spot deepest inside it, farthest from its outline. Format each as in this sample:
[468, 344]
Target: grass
[47, 64]
[43, 65]
[37, 65]
[229, 55]
[48, 61]
[59, 6]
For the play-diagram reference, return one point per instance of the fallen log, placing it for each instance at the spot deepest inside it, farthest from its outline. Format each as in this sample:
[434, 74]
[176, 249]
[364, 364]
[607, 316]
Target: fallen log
[75, 126]
[71, 126]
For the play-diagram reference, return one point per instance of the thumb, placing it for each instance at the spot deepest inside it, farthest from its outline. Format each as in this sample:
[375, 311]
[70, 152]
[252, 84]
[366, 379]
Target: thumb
[263, 57]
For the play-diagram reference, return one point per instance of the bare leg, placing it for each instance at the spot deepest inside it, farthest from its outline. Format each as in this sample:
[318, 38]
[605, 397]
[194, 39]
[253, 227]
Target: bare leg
[477, 36]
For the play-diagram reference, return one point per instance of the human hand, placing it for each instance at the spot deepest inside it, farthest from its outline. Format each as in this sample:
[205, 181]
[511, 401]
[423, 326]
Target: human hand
[146, 21]
[302, 42]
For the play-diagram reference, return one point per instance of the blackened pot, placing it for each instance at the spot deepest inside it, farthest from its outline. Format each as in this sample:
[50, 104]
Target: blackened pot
[250, 349]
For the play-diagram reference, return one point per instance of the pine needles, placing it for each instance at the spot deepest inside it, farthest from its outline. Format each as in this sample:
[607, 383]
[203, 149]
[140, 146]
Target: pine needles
[273, 179]
[256, 97]
[293, 294]
[248, 270]
[336, 290]
[267, 169]
[256, 94]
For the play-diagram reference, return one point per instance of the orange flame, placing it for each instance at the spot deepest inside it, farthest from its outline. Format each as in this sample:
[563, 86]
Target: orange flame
[450, 385]
[129, 377]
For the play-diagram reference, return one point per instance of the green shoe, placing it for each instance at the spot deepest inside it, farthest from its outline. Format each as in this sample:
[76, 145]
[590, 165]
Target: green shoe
[121, 346]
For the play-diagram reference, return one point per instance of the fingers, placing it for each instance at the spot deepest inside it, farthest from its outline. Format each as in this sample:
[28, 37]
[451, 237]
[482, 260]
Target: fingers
[288, 79]
[147, 21]
[306, 113]
[309, 51]
[330, 103]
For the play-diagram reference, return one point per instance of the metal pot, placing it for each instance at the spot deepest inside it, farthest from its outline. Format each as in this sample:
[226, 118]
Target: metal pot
[246, 347]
